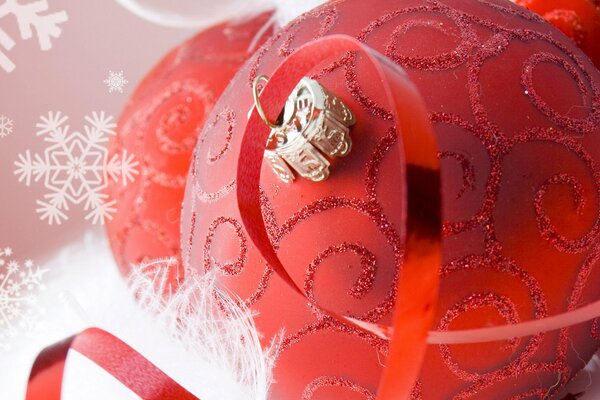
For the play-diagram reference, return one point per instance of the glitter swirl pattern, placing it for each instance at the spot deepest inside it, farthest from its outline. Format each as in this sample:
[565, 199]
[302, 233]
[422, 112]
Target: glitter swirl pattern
[521, 206]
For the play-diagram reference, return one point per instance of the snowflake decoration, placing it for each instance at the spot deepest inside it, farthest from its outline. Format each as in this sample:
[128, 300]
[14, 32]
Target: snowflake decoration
[76, 168]
[115, 81]
[6, 126]
[29, 19]
[19, 286]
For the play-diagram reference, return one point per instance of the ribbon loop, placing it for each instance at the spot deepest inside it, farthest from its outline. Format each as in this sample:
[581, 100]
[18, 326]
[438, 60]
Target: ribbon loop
[419, 175]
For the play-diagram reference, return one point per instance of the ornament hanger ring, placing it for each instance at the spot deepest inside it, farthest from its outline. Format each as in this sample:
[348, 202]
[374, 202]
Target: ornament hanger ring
[259, 108]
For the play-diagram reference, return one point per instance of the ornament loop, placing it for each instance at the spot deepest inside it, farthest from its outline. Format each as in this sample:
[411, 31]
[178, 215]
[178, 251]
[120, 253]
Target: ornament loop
[257, 104]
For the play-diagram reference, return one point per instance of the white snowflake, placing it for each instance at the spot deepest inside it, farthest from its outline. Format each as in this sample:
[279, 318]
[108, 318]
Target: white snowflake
[6, 126]
[29, 18]
[115, 81]
[20, 284]
[76, 167]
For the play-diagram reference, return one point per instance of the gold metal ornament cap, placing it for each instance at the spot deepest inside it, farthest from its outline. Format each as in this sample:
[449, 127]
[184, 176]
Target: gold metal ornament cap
[315, 128]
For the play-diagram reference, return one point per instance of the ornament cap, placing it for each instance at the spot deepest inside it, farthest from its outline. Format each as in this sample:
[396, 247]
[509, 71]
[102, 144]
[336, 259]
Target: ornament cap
[315, 128]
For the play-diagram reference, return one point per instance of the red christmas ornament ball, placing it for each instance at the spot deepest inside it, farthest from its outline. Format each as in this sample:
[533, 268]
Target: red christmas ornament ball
[160, 126]
[578, 19]
[516, 109]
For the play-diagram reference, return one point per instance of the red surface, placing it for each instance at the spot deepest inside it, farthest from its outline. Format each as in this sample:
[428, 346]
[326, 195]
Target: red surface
[160, 126]
[516, 110]
[578, 19]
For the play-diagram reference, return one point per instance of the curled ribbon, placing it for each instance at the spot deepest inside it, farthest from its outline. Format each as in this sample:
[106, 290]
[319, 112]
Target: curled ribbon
[111, 354]
[419, 174]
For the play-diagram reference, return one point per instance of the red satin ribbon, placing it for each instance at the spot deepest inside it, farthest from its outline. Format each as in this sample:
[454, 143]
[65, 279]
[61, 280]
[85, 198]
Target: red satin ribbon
[419, 175]
[111, 354]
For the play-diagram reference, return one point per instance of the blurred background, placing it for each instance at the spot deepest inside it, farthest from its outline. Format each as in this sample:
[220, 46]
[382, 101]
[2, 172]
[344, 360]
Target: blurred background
[99, 36]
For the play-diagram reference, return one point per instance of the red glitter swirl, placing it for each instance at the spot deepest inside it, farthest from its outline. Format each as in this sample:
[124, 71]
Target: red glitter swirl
[583, 126]
[335, 381]
[230, 268]
[229, 116]
[366, 277]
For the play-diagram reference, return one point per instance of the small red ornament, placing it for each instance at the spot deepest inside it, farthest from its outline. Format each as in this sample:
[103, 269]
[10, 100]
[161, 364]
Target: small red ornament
[578, 19]
[516, 108]
[160, 126]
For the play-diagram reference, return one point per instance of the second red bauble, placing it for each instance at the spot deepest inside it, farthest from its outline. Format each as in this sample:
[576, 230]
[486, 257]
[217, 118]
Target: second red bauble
[160, 127]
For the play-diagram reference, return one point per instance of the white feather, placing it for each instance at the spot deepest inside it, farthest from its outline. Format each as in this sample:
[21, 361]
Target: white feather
[217, 334]
[287, 10]
[214, 356]
[198, 14]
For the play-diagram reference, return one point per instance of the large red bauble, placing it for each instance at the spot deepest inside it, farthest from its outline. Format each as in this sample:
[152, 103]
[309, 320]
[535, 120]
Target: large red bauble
[160, 126]
[516, 109]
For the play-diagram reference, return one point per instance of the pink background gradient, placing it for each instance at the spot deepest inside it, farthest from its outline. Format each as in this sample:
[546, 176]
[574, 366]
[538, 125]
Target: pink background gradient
[99, 36]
